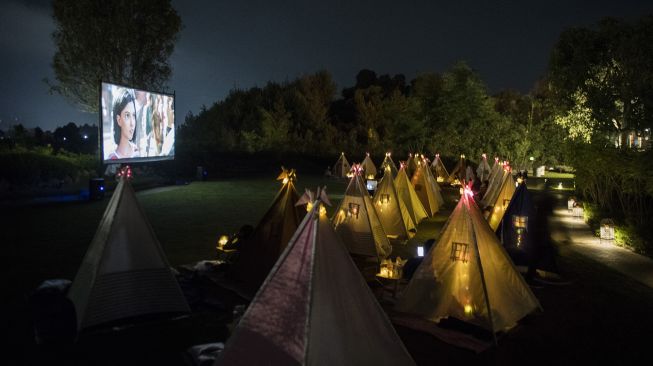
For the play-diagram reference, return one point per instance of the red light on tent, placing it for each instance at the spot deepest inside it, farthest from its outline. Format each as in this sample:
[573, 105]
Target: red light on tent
[357, 169]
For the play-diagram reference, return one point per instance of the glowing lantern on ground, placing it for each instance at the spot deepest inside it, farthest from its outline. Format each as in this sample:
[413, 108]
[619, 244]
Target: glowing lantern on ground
[578, 211]
[571, 202]
[223, 241]
[607, 230]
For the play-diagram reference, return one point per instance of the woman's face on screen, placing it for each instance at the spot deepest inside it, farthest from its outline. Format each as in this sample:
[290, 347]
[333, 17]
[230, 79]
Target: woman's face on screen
[127, 121]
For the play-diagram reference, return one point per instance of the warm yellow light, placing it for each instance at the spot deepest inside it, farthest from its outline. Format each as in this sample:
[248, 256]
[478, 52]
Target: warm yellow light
[323, 211]
[469, 310]
[440, 179]
[222, 241]
[285, 180]
[309, 206]
[385, 198]
[370, 176]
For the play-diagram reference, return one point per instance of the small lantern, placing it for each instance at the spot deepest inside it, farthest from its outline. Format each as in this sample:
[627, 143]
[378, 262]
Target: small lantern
[370, 176]
[354, 209]
[607, 231]
[559, 185]
[571, 202]
[420, 251]
[222, 241]
[385, 198]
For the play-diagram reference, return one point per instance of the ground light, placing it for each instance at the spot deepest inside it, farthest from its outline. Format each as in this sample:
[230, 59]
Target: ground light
[607, 231]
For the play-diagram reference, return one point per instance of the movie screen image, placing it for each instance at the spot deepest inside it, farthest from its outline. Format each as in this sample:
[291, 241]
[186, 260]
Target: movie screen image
[137, 125]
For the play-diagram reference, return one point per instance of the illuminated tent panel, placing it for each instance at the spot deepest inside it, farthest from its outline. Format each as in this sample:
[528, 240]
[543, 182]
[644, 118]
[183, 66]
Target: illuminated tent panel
[342, 167]
[427, 189]
[262, 248]
[409, 197]
[391, 210]
[357, 223]
[314, 309]
[504, 195]
[411, 165]
[467, 275]
[124, 273]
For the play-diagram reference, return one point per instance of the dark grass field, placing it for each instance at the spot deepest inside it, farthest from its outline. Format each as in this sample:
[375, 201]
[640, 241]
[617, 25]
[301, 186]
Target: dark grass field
[598, 317]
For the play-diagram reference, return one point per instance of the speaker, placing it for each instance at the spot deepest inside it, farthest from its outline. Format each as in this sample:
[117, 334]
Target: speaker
[96, 189]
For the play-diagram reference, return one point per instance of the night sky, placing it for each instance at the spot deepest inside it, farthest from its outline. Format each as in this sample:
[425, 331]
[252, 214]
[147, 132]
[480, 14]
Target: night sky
[228, 44]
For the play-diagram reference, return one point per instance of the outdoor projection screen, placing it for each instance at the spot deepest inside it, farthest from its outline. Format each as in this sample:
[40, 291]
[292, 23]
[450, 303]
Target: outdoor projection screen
[137, 125]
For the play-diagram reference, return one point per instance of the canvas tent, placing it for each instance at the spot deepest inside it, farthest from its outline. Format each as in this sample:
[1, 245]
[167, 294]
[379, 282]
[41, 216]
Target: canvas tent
[409, 197]
[357, 223]
[125, 273]
[388, 163]
[483, 171]
[262, 248]
[457, 175]
[496, 179]
[314, 309]
[498, 205]
[411, 165]
[468, 276]
[369, 169]
[522, 233]
[342, 167]
[392, 211]
[427, 189]
[438, 169]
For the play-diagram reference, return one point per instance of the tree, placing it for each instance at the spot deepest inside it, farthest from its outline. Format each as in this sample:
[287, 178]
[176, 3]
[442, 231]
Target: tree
[121, 41]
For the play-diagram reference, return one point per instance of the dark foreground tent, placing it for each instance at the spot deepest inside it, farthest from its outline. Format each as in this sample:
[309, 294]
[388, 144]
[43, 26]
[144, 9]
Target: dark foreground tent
[467, 275]
[124, 274]
[260, 251]
[521, 232]
[314, 309]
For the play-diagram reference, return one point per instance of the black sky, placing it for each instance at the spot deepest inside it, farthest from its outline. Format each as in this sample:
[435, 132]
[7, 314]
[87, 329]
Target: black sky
[227, 44]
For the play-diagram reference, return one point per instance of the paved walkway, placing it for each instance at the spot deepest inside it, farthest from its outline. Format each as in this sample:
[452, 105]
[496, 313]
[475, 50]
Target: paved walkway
[566, 229]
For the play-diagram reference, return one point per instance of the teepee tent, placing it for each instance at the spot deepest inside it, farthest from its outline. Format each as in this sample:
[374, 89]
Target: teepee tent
[342, 167]
[483, 171]
[457, 175]
[440, 172]
[467, 275]
[409, 197]
[496, 179]
[391, 210]
[504, 194]
[519, 226]
[434, 183]
[411, 164]
[262, 248]
[387, 162]
[314, 309]
[369, 169]
[125, 273]
[427, 189]
[357, 223]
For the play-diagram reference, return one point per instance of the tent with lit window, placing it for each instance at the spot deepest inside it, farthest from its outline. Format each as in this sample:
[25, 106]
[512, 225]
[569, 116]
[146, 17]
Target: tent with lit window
[438, 169]
[369, 169]
[483, 170]
[314, 309]
[260, 250]
[357, 223]
[389, 163]
[342, 167]
[391, 210]
[407, 194]
[521, 223]
[496, 207]
[467, 275]
[125, 274]
[458, 174]
[427, 189]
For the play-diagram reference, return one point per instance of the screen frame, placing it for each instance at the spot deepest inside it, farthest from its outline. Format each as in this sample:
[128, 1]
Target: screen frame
[101, 127]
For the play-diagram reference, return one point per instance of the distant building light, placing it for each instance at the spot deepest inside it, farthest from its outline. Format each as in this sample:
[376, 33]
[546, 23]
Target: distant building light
[64, 138]
[85, 137]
